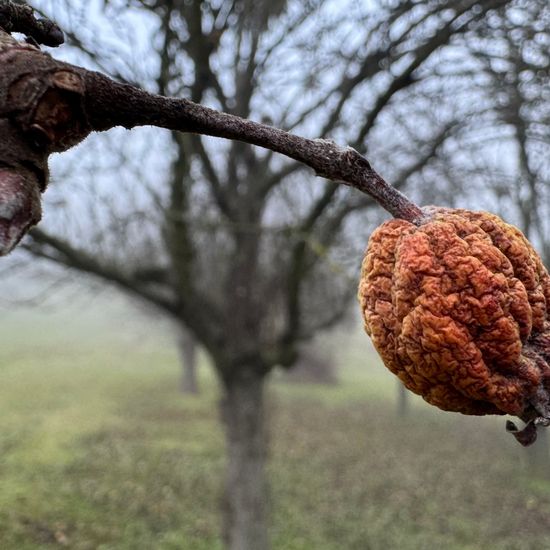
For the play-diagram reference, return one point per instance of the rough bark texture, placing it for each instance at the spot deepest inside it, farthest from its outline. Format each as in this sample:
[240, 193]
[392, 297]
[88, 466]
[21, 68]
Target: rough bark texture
[20, 18]
[47, 106]
[112, 104]
[246, 492]
[40, 113]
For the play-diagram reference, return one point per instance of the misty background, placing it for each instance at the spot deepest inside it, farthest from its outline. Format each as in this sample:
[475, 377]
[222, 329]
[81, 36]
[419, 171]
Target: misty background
[140, 270]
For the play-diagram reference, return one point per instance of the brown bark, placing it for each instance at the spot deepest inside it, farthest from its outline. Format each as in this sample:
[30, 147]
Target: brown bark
[20, 18]
[41, 112]
[246, 496]
[109, 104]
[48, 106]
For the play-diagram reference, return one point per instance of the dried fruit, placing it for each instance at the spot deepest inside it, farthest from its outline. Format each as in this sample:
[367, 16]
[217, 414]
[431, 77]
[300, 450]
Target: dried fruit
[456, 306]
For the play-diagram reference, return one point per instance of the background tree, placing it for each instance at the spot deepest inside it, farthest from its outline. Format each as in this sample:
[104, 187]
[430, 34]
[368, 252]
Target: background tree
[517, 67]
[504, 148]
[228, 240]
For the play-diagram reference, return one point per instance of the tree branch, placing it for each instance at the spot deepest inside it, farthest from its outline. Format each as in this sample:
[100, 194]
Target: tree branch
[110, 104]
[20, 18]
[194, 313]
[421, 54]
[214, 181]
[79, 259]
[47, 106]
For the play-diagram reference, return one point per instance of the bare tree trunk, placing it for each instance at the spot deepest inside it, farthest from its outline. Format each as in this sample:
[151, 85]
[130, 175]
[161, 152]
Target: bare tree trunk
[247, 492]
[402, 400]
[188, 355]
[538, 457]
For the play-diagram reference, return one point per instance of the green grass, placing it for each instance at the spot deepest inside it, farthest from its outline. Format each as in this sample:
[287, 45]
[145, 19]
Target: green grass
[98, 450]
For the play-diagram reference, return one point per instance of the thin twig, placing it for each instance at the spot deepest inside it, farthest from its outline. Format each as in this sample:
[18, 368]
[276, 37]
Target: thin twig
[110, 104]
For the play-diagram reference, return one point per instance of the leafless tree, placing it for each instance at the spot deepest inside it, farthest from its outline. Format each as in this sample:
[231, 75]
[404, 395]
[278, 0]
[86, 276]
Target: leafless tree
[516, 66]
[228, 240]
[504, 147]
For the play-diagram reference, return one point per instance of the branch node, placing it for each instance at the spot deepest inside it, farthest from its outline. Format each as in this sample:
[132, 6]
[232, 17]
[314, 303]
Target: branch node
[20, 18]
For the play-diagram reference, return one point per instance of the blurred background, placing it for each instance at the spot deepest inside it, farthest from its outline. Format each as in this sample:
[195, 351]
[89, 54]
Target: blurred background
[182, 348]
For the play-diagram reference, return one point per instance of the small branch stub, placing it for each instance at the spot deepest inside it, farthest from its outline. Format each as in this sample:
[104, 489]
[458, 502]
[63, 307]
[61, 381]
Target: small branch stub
[20, 18]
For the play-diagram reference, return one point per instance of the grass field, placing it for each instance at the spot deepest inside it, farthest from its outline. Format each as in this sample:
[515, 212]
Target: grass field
[98, 450]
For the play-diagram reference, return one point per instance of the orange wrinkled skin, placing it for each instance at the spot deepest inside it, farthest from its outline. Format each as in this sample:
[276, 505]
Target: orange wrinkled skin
[457, 309]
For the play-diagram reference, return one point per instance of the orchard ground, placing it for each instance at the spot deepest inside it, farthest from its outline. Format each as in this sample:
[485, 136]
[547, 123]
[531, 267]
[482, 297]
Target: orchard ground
[99, 450]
